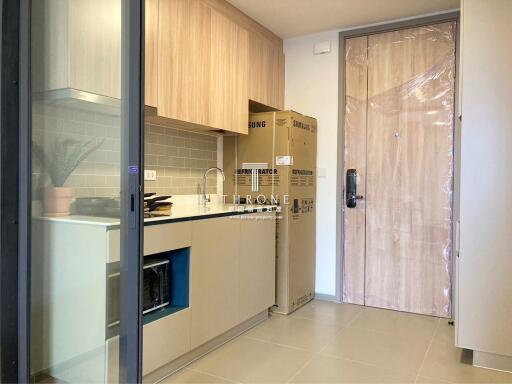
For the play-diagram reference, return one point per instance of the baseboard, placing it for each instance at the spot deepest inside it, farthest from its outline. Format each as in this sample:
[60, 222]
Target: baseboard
[326, 297]
[492, 361]
[80, 363]
[188, 358]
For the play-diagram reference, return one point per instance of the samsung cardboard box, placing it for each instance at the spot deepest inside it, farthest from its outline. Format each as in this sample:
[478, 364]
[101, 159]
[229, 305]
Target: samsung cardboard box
[276, 163]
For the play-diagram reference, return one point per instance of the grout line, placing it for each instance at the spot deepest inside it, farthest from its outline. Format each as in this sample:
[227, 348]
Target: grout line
[212, 375]
[278, 344]
[338, 331]
[427, 351]
[350, 322]
[316, 354]
[319, 321]
[392, 370]
[321, 351]
[434, 379]
[306, 363]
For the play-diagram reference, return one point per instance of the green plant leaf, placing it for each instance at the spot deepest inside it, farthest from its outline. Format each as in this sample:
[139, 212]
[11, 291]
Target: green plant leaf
[62, 157]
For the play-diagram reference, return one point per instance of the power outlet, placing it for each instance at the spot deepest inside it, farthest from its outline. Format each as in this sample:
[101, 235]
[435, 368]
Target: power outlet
[149, 175]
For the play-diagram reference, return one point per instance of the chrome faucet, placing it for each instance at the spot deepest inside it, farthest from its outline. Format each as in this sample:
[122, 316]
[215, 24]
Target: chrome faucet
[207, 199]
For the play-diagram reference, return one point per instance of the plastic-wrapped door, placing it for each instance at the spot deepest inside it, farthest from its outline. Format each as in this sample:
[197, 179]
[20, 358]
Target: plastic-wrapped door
[407, 170]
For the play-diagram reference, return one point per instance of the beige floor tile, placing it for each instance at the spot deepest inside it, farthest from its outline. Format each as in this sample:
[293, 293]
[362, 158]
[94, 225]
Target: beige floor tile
[429, 380]
[385, 350]
[192, 377]
[443, 362]
[311, 335]
[324, 369]
[445, 333]
[251, 361]
[328, 312]
[398, 323]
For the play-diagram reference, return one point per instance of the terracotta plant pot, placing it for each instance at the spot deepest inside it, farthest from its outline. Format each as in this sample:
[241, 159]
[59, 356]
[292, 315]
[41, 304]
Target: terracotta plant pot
[57, 201]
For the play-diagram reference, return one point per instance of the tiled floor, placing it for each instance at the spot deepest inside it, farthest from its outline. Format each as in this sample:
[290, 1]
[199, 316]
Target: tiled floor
[325, 342]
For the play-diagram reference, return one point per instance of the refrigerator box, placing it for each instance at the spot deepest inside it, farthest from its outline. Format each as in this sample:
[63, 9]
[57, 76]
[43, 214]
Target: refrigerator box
[276, 164]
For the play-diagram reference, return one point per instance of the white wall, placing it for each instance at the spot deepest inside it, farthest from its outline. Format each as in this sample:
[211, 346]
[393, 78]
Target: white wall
[485, 262]
[312, 89]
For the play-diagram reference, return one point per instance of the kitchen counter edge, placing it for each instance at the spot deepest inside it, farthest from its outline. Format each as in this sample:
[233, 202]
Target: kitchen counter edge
[111, 224]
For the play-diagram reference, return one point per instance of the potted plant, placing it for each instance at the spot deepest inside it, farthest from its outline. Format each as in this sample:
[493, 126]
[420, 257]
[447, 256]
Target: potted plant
[58, 161]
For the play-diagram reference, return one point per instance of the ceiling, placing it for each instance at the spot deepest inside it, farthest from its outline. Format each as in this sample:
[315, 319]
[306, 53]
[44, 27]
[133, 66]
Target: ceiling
[290, 18]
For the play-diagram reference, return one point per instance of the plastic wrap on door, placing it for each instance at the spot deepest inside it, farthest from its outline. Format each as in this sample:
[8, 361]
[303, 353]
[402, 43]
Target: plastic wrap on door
[355, 158]
[406, 123]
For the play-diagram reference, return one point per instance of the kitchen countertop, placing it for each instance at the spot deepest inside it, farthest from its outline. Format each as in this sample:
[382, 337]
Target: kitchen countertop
[182, 212]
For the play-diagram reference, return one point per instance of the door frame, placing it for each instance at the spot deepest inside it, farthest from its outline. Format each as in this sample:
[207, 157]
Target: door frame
[15, 191]
[340, 209]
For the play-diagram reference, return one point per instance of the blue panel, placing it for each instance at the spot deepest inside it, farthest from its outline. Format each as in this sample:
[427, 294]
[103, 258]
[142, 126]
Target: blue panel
[180, 273]
[179, 283]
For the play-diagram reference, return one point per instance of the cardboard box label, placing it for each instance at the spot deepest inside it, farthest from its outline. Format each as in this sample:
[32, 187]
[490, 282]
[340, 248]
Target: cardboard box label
[284, 160]
[302, 178]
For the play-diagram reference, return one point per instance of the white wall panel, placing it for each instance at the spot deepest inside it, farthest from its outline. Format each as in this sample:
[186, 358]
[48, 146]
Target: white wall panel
[485, 263]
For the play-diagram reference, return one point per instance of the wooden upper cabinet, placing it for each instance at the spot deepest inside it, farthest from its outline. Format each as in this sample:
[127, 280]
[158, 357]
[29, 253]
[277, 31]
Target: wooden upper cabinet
[183, 65]
[204, 57]
[280, 80]
[80, 47]
[229, 101]
[151, 57]
[266, 72]
[95, 46]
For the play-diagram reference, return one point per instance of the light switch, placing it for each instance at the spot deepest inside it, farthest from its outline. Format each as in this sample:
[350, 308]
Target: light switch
[149, 175]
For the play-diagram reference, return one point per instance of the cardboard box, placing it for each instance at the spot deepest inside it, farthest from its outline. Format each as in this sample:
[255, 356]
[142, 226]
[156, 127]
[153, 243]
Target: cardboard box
[276, 163]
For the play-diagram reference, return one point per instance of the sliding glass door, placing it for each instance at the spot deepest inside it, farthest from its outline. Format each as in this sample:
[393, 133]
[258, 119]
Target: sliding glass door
[85, 225]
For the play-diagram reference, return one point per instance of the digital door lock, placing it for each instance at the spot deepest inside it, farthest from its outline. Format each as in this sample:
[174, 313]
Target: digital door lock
[351, 195]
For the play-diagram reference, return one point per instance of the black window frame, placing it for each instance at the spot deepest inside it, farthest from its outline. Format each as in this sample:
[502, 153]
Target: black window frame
[15, 190]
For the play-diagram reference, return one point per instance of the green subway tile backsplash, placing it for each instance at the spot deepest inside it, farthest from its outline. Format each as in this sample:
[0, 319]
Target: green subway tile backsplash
[179, 157]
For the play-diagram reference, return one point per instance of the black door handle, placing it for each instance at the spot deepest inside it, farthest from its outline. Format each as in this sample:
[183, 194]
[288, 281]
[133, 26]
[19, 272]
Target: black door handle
[351, 195]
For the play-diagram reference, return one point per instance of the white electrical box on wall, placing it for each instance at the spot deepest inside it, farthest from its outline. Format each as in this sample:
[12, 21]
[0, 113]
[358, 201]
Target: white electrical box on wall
[322, 47]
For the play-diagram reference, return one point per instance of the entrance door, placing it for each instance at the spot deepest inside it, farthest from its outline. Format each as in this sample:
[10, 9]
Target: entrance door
[398, 158]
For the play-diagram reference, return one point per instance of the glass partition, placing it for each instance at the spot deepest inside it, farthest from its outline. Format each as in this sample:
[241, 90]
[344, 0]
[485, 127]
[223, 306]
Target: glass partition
[78, 139]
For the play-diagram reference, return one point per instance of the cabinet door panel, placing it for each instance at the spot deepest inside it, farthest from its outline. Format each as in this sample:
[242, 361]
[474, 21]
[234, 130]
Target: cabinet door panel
[257, 264]
[151, 51]
[229, 49]
[279, 81]
[183, 60]
[165, 340]
[257, 69]
[266, 72]
[95, 46]
[214, 278]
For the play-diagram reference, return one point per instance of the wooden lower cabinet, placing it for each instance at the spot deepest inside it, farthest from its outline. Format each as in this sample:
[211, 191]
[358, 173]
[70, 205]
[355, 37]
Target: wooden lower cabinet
[165, 339]
[257, 263]
[233, 272]
[214, 261]
[232, 278]
[164, 237]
